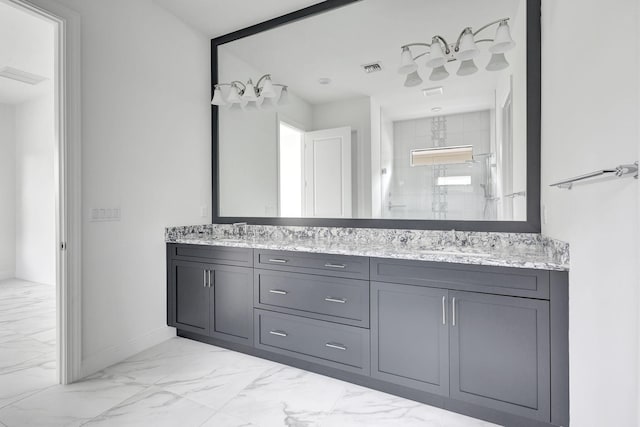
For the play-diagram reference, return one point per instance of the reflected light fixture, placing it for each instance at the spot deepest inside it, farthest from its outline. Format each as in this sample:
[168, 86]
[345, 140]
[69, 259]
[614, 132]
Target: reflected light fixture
[467, 67]
[407, 63]
[249, 96]
[465, 49]
[413, 79]
[436, 54]
[498, 62]
[284, 96]
[439, 73]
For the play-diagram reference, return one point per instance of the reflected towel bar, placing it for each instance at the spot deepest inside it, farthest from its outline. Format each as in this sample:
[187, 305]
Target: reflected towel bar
[619, 171]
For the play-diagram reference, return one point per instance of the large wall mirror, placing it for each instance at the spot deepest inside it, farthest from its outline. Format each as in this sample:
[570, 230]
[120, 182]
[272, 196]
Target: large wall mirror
[412, 114]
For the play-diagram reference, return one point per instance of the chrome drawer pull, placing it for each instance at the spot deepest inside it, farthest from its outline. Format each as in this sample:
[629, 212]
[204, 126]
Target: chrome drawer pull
[278, 291]
[281, 261]
[336, 346]
[338, 300]
[329, 265]
[278, 333]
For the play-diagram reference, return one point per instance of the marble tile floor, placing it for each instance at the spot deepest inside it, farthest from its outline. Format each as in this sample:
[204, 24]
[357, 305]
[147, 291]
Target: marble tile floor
[180, 383]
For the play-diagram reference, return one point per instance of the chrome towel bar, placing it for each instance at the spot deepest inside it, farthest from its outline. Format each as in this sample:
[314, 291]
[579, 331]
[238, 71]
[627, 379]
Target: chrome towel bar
[619, 171]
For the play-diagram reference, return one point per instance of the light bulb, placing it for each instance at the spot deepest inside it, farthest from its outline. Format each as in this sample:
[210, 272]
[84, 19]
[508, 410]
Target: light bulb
[407, 64]
[498, 62]
[503, 41]
[413, 79]
[467, 49]
[436, 54]
[218, 99]
[467, 68]
[439, 73]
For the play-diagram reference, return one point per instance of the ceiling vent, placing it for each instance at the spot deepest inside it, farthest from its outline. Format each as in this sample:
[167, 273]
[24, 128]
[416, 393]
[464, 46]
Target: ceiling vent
[374, 67]
[21, 76]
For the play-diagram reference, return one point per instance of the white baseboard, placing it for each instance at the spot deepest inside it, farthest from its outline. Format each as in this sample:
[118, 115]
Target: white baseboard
[115, 354]
[4, 275]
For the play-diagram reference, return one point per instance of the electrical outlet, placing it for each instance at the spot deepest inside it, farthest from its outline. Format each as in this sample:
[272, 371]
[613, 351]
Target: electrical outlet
[545, 216]
[204, 212]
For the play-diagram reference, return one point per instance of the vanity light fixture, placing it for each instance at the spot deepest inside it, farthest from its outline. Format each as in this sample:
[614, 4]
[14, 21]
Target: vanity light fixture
[249, 96]
[465, 49]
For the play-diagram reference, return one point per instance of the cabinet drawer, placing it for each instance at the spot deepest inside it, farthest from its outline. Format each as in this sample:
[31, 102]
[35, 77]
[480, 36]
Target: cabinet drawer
[338, 346]
[241, 257]
[322, 297]
[352, 267]
[520, 282]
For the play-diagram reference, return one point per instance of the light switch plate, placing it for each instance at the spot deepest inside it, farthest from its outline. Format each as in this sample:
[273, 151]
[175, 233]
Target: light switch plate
[104, 214]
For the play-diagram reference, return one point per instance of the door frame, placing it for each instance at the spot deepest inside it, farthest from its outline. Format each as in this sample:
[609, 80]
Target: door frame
[67, 169]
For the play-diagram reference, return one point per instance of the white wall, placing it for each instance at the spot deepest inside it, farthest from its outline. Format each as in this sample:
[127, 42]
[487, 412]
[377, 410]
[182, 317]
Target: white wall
[146, 148]
[590, 122]
[35, 233]
[356, 113]
[7, 192]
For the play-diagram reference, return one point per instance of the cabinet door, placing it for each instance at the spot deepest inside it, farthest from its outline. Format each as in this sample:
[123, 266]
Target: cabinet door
[409, 336]
[500, 353]
[232, 304]
[190, 291]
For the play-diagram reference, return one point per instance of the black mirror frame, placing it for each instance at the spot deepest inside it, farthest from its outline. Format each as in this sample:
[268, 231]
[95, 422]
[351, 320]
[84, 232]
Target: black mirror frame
[531, 225]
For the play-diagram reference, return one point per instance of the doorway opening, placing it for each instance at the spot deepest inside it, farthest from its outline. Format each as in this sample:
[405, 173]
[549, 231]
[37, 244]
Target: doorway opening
[40, 224]
[28, 193]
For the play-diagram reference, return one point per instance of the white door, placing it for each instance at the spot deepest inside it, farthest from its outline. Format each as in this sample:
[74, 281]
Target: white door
[327, 173]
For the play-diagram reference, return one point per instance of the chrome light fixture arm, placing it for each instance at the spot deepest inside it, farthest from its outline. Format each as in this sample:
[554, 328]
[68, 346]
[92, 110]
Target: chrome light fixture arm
[499, 21]
[436, 39]
[236, 83]
[266, 76]
[469, 30]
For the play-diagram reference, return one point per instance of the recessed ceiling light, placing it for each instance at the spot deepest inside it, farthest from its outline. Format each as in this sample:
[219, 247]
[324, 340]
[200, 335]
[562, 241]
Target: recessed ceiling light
[324, 80]
[431, 91]
[436, 109]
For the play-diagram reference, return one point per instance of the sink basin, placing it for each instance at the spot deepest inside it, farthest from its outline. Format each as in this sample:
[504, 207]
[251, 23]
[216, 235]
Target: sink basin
[452, 253]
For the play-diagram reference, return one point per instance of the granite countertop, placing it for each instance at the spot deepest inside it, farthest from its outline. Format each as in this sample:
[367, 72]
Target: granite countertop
[520, 250]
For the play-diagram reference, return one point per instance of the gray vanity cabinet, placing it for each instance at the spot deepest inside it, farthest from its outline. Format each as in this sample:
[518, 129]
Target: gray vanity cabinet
[210, 299]
[231, 304]
[486, 341]
[499, 348]
[490, 348]
[410, 336]
[190, 297]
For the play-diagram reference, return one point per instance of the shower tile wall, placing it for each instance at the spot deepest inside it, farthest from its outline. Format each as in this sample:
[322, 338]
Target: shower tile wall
[411, 191]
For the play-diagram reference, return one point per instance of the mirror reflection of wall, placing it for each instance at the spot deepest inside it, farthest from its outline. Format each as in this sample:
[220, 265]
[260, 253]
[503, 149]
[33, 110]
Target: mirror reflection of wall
[294, 159]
